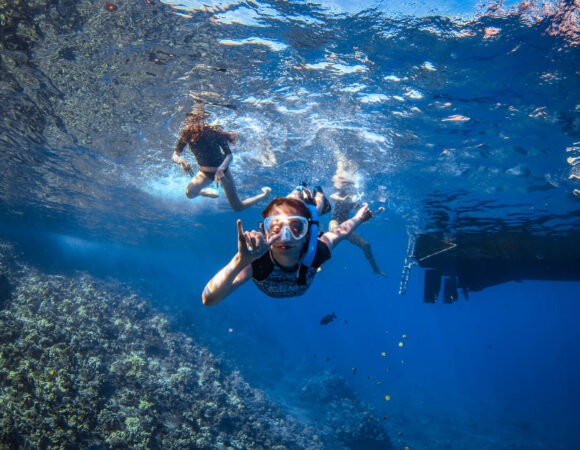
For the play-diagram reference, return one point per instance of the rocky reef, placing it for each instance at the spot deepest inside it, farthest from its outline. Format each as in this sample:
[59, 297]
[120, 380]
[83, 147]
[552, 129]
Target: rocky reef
[337, 406]
[85, 363]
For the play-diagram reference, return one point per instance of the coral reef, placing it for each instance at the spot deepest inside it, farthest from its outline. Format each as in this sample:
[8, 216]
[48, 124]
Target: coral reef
[85, 363]
[338, 409]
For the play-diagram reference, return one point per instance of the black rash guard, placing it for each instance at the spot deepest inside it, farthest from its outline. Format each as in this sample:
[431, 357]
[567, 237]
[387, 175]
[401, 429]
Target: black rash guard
[276, 282]
[210, 149]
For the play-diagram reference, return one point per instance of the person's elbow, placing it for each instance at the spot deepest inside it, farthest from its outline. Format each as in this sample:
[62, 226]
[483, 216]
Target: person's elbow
[209, 298]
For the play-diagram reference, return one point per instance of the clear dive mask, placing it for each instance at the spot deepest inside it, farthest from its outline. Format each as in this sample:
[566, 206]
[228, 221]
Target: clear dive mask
[290, 227]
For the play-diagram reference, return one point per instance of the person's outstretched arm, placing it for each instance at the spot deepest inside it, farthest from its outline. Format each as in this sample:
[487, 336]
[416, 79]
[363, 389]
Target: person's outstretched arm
[251, 246]
[176, 158]
[343, 231]
[343, 198]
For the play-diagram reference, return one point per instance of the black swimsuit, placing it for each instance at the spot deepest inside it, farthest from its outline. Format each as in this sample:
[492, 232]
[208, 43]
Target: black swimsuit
[276, 282]
[211, 148]
[342, 210]
[211, 174]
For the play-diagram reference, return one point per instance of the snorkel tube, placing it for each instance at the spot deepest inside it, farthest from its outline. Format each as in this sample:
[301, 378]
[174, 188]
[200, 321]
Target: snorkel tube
[313, 241]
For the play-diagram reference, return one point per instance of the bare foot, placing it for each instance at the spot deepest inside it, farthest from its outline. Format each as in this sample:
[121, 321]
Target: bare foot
[266, 190]
[209, 192]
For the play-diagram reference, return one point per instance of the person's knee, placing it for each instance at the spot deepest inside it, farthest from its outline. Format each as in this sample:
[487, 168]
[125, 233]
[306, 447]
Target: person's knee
[366, 247]
[190, 192]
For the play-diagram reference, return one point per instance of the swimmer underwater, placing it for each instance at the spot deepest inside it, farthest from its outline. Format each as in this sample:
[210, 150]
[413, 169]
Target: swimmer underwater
[210, 146]
[283, 258]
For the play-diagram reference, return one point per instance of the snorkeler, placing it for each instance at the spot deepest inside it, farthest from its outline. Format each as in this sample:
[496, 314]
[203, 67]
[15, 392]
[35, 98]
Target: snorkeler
[346, 201]
[283, 257]
[210, 146]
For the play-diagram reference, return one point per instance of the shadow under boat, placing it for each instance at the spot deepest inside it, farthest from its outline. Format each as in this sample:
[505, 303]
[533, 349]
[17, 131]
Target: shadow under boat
[472, 262]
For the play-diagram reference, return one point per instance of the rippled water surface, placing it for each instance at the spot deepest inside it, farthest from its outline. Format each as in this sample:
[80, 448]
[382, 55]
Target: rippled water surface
[469, 117]
[455, 116]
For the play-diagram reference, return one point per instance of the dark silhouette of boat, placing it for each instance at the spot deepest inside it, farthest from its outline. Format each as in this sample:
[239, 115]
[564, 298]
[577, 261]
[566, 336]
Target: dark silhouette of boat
[474, 261]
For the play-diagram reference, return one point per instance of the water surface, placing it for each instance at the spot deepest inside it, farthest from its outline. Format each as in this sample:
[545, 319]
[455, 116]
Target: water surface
[455, 117]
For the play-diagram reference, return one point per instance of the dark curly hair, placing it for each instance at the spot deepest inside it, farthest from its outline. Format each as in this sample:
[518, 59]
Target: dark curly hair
[194, 127]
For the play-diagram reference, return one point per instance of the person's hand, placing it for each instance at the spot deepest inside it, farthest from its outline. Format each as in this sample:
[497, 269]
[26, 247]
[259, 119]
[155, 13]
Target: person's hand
[219, 174]
[364, 213]
[186, 167]
[253, 244]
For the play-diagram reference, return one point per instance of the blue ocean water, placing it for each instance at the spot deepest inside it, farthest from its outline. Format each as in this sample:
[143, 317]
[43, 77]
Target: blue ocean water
[455, 117]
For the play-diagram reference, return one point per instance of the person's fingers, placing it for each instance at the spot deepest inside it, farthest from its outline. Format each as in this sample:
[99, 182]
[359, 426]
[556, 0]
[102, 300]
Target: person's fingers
[241, 235]
[364, 213]
[252, 241]
[273, 238]
[259, 241]
[187, 169]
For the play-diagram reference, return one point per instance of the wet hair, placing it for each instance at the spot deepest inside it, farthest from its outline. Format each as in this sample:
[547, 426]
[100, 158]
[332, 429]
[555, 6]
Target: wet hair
[298, 205]
[194, 126]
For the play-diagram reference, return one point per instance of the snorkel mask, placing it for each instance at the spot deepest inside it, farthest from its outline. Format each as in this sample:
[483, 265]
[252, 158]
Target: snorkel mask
[296, 227]
[290, 227]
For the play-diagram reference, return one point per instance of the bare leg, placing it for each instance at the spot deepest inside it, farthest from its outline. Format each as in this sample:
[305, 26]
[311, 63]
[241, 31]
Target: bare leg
[332, 225]
[196, 185]
[320, 200]
[322, 203]
[229, 187]
[364, 245]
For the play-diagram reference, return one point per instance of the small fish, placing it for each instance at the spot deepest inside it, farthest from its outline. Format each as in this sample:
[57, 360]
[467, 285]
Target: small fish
[327, 319]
